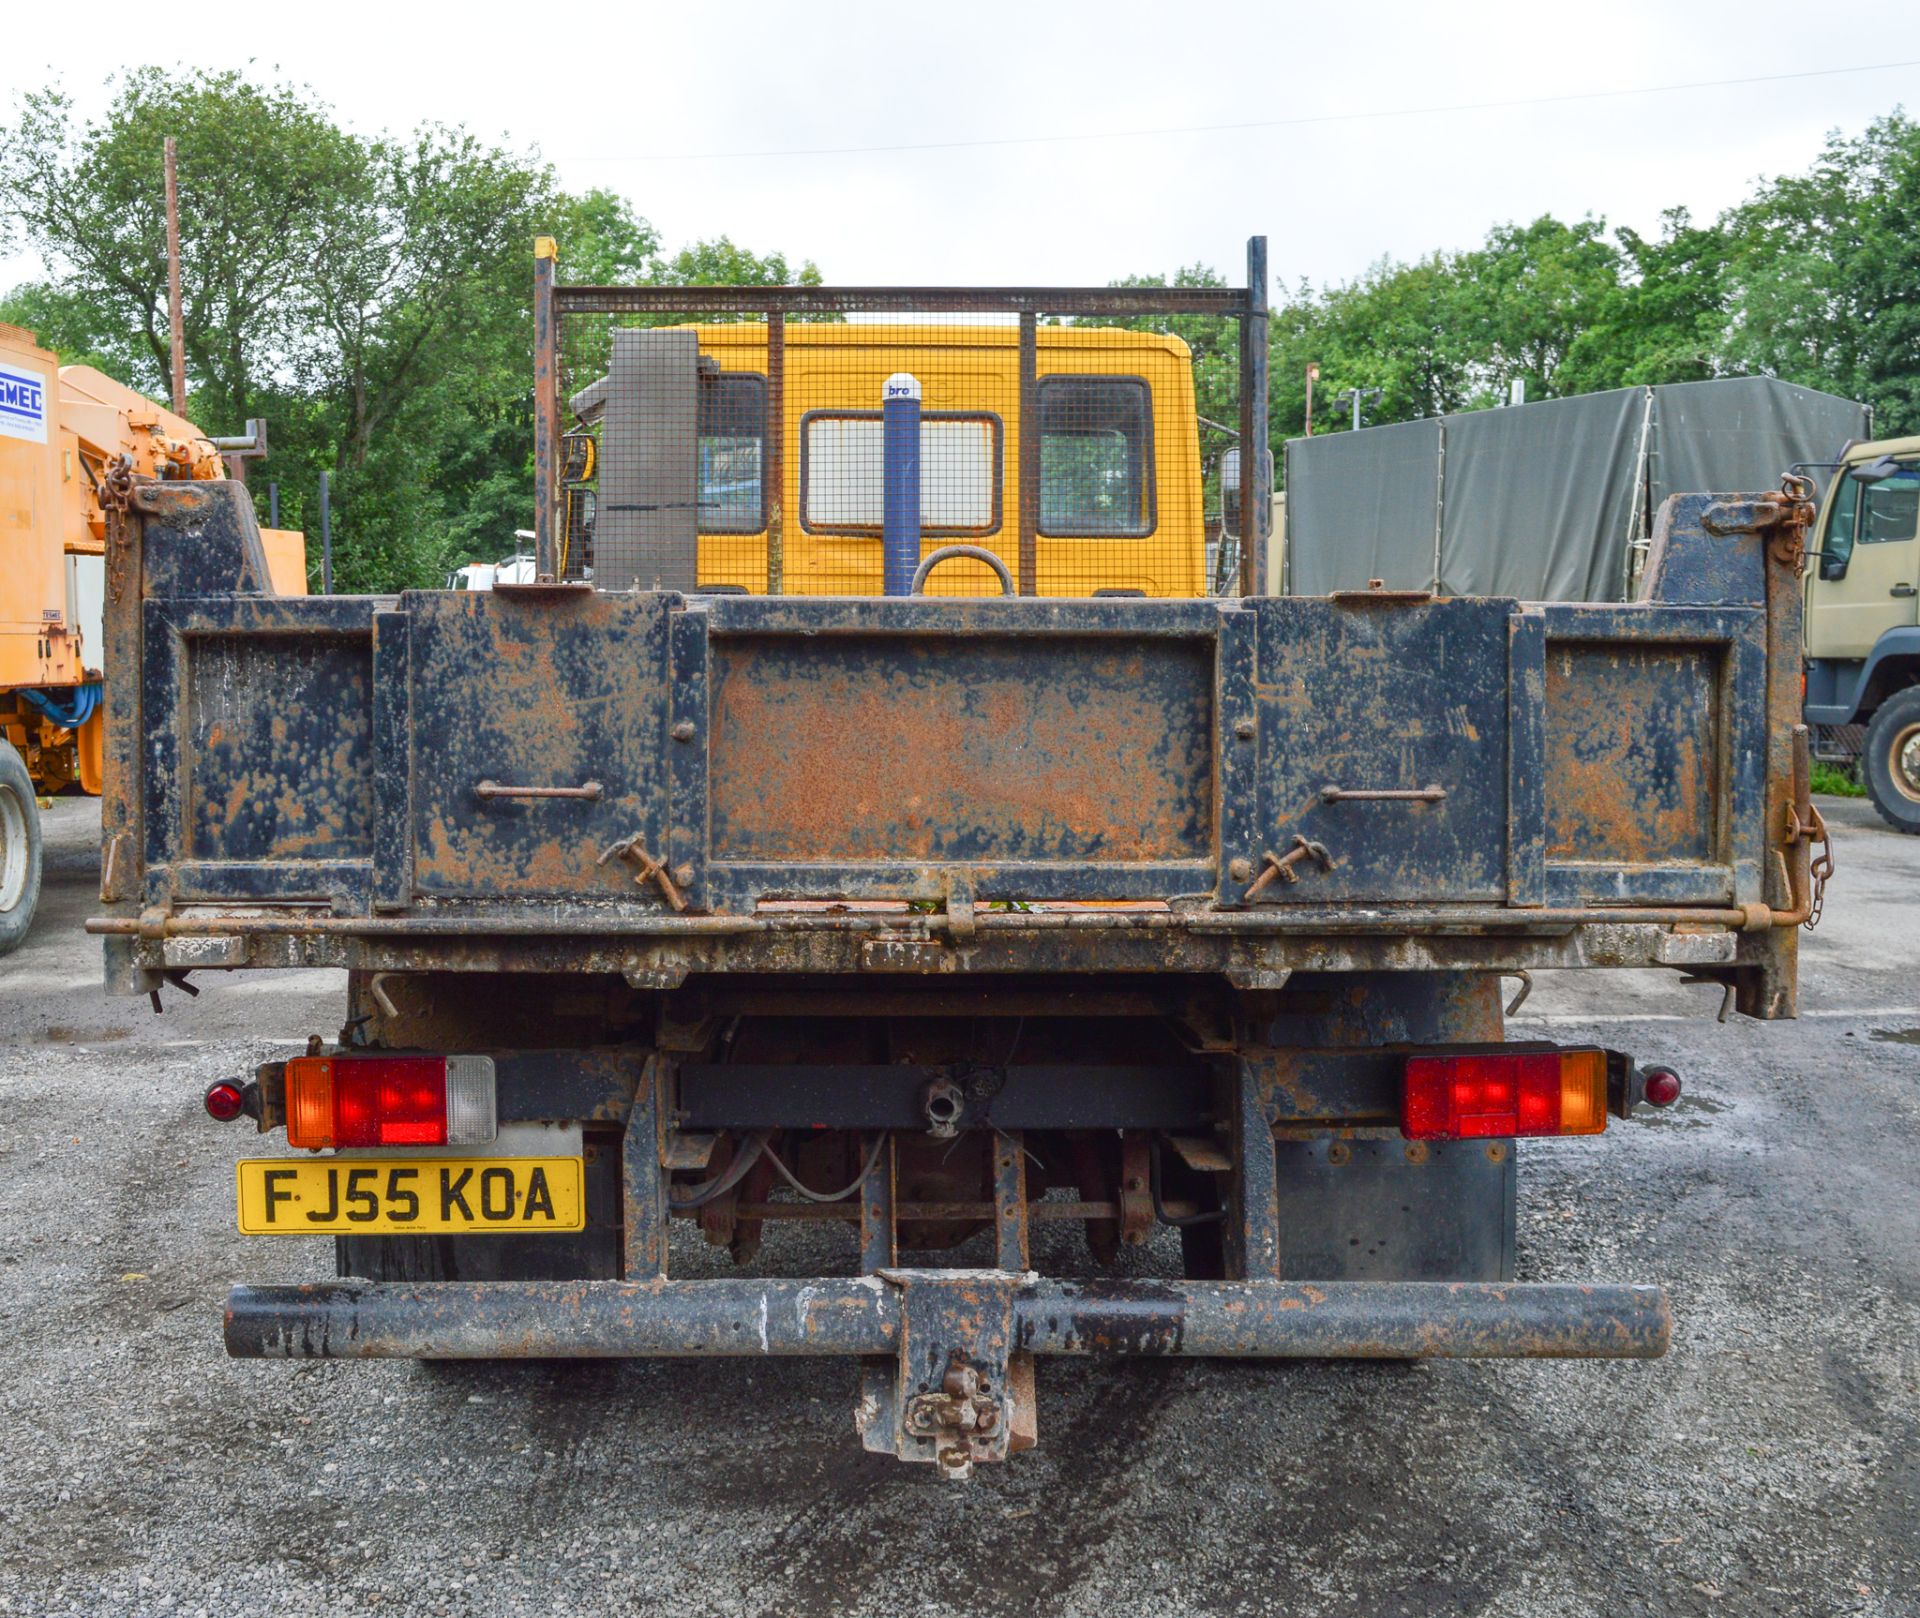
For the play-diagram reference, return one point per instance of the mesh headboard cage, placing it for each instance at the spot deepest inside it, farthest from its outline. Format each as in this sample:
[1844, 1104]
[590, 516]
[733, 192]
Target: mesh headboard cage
[737, 439]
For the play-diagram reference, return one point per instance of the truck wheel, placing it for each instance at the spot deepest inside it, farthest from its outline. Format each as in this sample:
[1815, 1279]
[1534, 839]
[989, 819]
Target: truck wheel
[19, 850]
[1891, 761]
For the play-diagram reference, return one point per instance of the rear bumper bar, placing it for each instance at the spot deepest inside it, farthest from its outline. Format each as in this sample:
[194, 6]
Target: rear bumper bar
[867, 1316]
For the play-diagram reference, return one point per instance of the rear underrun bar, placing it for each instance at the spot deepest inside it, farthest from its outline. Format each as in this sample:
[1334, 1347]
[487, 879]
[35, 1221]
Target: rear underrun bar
[863, 1316]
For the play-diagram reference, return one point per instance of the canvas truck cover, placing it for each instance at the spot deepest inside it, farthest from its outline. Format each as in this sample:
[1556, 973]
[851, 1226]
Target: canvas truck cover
[1544, 502]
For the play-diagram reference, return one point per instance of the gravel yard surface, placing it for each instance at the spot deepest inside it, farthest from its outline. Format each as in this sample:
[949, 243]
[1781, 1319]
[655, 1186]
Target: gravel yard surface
[1769, 1464]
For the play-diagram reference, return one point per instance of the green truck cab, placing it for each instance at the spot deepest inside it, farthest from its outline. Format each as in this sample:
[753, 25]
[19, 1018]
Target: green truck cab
[1862, 629]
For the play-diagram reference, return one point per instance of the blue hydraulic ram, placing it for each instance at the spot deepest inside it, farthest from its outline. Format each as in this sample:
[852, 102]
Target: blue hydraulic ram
[900, 506]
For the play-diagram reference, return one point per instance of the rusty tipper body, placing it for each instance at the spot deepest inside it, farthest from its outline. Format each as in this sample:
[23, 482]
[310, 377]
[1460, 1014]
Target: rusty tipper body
[957, 927]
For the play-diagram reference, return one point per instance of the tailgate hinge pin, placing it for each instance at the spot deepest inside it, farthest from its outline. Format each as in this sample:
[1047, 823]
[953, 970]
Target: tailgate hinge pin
[1281, 866]
[645, 868]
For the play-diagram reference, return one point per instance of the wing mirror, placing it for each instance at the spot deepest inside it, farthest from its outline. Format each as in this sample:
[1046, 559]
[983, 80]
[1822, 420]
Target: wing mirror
[1874, 471]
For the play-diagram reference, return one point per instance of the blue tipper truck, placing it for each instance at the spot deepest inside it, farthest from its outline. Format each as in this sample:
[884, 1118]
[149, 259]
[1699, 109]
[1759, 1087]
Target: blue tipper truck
[935, 925]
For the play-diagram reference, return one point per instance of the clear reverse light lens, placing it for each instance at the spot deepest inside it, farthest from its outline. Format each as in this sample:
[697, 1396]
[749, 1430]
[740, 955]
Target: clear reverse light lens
[472, 1115]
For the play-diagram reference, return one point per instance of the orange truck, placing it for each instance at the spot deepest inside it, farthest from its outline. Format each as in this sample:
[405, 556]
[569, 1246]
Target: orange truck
[65, 431]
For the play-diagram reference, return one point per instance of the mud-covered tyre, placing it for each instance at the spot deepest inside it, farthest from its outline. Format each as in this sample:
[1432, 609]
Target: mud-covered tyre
[19, 850]
[1890, 763]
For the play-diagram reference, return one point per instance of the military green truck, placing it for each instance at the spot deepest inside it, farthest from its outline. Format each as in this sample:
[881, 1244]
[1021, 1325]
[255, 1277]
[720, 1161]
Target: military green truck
[1862, 630]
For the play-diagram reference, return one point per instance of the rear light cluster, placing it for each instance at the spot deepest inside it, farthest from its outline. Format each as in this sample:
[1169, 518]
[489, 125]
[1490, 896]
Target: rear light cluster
[1474, 1095]
[390, 1101]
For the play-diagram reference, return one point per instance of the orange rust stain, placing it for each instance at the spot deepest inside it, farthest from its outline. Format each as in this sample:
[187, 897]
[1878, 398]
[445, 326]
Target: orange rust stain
[1630, 754]
[895, 759]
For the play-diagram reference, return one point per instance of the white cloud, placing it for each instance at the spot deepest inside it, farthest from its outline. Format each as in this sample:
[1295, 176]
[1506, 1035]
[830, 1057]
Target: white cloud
[606, 92]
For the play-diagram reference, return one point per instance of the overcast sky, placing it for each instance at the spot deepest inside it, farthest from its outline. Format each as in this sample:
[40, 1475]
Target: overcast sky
[640, 99]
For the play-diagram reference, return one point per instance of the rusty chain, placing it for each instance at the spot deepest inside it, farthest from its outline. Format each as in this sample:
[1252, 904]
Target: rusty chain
[116, 483]
[1813, 831]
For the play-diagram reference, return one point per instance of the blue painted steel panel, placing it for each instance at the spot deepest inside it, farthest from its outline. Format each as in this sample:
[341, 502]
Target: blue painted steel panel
[565, 693]
[1029, 749]
[1367, 697]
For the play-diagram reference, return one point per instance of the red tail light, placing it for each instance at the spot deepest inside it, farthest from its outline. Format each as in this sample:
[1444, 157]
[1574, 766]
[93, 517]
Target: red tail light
[390, 1101]
[225, 1101]
[1662, 1087]
[1496, 1093]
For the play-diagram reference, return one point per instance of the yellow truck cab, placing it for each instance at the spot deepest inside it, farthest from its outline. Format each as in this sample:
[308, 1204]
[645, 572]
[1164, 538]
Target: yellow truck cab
[1862, 631]
[1119, 488]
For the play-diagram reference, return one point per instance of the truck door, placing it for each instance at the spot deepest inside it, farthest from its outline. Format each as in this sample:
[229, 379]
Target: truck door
[1866, 576]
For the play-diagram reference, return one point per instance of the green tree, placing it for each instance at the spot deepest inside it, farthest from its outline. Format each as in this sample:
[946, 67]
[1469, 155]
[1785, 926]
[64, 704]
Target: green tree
[1665, 319]
[1526, 296]
[75, 327]
[368, 296]
[1826, 273]
[1212, 340]
[602, 241]
[722, 263]
[1399, 328]
[254, 163]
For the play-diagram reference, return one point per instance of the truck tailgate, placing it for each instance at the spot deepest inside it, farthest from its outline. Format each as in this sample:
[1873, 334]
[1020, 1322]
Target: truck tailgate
[534, 759]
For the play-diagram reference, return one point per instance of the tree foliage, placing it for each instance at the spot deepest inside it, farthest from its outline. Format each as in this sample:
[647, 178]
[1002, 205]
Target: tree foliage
[1814, 279]
[367, 295]
[1825, 284]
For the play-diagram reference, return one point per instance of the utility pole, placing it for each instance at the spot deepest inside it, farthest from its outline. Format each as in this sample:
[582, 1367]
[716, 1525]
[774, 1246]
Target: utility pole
[1313, 376]
[174, 319]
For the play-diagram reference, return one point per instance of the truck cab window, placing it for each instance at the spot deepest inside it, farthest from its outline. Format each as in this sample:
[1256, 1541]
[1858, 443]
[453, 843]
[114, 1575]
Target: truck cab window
[1836, 545]
[1883, 513]
[843, 472]
[731, 427]
[1096, 456]
[1889, 508]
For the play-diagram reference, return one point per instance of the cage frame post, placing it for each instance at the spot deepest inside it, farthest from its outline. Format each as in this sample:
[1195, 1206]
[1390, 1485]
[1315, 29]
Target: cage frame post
[1256, 474]
[546, 406]
[773, 447]
[1029, 453]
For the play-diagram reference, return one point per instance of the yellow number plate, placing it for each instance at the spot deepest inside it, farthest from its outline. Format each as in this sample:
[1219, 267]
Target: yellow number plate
[437, 1196]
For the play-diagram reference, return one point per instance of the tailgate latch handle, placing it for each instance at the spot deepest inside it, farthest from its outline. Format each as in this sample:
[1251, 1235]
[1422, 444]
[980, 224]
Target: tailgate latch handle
[645, 868]
[1281, 866]
[494, 789]
[1434, 794]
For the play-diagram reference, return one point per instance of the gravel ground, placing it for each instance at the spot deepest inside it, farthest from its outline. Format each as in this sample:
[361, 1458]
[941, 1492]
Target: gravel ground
[1769, 1464]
